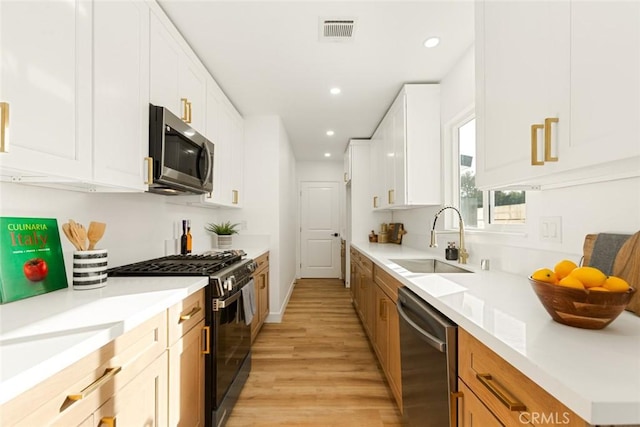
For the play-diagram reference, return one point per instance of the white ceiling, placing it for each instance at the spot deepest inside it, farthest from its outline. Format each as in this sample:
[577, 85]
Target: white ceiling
[267, 58]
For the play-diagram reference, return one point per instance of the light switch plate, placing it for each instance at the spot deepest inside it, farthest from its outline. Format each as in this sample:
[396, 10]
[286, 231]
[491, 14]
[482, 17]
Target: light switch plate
[551, 229]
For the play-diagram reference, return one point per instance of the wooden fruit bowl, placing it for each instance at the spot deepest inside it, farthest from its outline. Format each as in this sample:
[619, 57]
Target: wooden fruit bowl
[581, 308]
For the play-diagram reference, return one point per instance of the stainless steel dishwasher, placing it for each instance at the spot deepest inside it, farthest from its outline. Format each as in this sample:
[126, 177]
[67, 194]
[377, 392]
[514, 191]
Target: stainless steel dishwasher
[428, 349]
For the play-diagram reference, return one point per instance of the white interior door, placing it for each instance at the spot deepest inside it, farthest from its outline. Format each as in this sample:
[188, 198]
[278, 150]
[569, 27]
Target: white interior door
[319, 237]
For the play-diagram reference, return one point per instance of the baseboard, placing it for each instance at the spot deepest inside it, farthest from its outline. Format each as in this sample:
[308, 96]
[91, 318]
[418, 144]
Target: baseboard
[276, 317]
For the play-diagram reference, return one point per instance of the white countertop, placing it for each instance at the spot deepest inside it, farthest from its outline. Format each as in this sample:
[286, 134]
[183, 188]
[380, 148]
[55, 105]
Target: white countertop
[42, 335]
[596, 373]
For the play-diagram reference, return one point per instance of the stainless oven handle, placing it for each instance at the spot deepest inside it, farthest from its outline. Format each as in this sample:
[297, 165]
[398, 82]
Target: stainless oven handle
[427, 337]
[223, 303]
[209, 163]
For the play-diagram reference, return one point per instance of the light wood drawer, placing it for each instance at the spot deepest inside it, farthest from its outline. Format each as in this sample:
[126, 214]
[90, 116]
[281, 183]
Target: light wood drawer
[387, 283]
[263, 262]
[366, 264]
[98, 376]
[185, 315]
[498, 385]
[471, 412]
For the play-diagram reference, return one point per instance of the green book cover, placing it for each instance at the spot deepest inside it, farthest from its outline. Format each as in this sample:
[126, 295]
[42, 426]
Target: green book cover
[31, 261]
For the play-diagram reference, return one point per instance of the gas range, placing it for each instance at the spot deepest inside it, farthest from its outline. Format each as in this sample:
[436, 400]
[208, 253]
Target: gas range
[226, 270]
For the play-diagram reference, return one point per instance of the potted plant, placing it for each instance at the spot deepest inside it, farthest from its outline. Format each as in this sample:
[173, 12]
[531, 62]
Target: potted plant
[223, 231]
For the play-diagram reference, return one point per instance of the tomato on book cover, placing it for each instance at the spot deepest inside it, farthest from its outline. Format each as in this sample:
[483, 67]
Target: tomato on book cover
[31, 261]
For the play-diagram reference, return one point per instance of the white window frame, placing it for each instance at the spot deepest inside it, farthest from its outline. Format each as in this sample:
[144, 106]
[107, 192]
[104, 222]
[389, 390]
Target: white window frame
[451, 181]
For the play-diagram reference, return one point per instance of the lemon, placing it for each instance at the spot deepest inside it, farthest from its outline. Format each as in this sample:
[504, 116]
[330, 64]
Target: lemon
[571, 282]
[589, 276]
[616, 284]
[599, 288]
[545, 275]
[564, 267]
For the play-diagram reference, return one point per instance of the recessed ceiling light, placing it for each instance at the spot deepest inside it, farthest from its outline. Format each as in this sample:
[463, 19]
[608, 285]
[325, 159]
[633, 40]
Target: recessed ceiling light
[432, 42]
[327, 154]
[335, 90]
[330, 133]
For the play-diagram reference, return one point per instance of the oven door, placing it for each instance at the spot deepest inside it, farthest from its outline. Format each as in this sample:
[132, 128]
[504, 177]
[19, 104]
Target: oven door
[232, 343]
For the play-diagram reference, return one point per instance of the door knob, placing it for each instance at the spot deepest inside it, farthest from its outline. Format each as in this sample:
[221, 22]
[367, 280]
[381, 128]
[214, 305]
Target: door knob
[335, 234]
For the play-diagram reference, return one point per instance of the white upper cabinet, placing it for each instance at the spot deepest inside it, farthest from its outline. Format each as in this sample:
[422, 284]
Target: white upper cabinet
[550, 110]
[121, 93]
[177, 81]
[225, 127]
[46, 83]
[407, 146]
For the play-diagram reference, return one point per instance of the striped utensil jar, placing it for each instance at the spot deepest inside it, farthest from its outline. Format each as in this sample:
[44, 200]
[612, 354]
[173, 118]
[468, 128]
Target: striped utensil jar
[90, 269]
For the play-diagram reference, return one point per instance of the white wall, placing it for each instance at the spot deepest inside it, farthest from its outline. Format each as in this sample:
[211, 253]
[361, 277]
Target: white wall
[603, 207]
[137, 223]
[269, 205]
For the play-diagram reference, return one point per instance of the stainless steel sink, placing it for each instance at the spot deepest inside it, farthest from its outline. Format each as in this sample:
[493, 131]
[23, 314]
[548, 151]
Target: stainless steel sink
[428, 265]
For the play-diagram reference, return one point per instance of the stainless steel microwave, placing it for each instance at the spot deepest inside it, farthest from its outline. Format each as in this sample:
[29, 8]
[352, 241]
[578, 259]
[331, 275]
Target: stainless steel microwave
[182, 158]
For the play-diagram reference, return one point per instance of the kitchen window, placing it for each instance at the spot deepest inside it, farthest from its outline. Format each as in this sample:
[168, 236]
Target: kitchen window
[481, 210]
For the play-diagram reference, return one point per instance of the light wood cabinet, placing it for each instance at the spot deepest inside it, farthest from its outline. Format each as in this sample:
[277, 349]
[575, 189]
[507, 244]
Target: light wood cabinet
[177, 82]
[45, 81]
[408, 150]
[188, 343]
[121, 94]
[95, 379]
[512, 398]
[471, 412]
[375, 294]
[541, 61]
[261, 283]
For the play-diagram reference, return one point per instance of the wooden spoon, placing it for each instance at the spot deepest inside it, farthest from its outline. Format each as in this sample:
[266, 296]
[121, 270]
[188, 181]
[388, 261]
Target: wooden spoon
[78, 233]
[95, 233]
[66, 228]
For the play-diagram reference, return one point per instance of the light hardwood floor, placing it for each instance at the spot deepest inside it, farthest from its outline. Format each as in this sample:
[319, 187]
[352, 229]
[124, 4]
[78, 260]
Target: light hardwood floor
[316, 368]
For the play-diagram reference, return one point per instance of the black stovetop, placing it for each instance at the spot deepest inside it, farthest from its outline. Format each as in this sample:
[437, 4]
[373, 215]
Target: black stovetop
[180, 265]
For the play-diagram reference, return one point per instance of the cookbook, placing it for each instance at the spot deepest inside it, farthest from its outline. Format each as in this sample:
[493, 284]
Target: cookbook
[31, 261]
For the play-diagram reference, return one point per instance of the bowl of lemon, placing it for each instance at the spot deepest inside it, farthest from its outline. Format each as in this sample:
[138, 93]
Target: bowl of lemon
[583, 297]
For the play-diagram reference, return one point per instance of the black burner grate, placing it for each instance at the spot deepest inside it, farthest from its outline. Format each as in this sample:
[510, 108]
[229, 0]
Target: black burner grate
[179, 265]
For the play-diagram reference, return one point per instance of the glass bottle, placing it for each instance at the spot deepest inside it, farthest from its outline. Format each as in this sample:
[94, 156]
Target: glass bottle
[189, 238]
[183, 238]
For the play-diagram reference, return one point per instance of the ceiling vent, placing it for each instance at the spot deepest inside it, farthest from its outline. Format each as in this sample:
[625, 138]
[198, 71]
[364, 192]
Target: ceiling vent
[336, 29]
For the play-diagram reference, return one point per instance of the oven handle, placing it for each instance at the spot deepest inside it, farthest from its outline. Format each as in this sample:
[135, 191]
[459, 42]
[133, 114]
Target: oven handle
[223, 303]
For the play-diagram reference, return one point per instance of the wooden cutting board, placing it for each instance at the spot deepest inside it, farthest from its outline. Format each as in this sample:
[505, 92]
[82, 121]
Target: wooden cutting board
[626, 264]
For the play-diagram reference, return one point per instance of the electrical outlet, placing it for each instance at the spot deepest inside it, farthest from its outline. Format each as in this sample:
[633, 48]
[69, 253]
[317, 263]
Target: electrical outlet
[551, 229]
[243, 225]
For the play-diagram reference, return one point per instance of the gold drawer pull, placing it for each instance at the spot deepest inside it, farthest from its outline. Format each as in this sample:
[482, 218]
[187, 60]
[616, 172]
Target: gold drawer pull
[206, 339]
[391, 197]
[109, 373]
[547, 140]
[108, 422]
[4, 127]
[189, 315]
[534, 145]
[512, 405]
[234, 194]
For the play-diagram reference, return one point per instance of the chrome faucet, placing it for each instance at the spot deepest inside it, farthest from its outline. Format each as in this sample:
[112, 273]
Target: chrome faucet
[462, 252]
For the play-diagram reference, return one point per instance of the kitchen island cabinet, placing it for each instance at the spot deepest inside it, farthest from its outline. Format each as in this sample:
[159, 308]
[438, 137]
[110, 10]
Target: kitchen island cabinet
[261, 284]
[544, 114]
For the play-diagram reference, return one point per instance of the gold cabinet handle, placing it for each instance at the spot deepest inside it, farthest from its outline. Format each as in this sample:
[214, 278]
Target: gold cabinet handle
[512, 405]
[234, 197]
[534, 145]
[4, 127]
[391, 197]
[108, 422]
[109, 373]
[186, 115]
[455, 395]
[149, 161]
[189, 110]
[547, 139]
[206, 338]
[375, 201]
[345, 177]
[189, 315]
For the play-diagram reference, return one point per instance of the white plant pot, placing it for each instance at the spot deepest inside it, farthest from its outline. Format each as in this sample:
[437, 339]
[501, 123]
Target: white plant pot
[225, 242]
